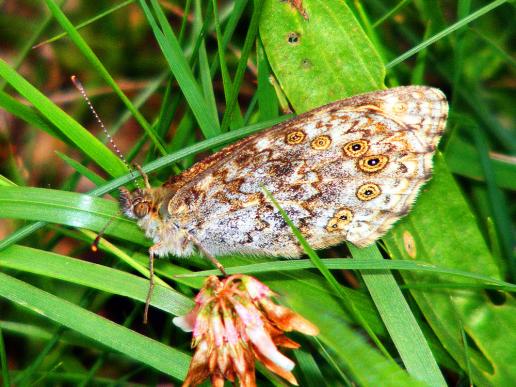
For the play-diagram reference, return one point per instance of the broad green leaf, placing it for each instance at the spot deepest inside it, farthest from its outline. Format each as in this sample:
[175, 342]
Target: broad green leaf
[322, 59]
[444, 232]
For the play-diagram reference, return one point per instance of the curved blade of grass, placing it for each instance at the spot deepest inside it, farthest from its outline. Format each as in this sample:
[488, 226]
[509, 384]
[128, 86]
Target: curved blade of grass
[236, 120]
[86, 22]
[351, 264]
[181, 69]
[70, 208]
[249, 41]
[134, 345]
[99, 67]
[204, 66]
[79, 136]
[399, 320]
[265, 93]
[83, 170]
[28, 115]
[229, 29]
[454, 27]
[92, 275]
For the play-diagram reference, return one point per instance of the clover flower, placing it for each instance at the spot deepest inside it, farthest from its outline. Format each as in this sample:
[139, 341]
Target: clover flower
[234, 323]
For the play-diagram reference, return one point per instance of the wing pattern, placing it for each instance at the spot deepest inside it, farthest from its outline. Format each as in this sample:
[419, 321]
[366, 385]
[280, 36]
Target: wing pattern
[345, 171]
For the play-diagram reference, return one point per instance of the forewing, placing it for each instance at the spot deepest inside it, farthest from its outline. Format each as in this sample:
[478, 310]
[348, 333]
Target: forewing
[345, 171]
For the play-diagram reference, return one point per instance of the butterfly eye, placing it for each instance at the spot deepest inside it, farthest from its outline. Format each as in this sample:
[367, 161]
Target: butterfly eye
[373, 163]
[340, 220]
[368, 191]
[295, 137]
[356, 148]
[333, 225]
[321, 142]
[141, 209]
[344, 216]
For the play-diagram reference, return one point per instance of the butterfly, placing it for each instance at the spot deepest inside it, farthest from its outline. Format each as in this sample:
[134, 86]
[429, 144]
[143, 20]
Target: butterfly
[345, 171]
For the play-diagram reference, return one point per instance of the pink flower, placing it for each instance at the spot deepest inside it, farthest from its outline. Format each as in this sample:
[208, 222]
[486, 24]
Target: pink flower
[234, 323]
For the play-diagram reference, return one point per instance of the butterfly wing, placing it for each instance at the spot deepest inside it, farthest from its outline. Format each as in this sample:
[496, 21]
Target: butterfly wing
[345, 171]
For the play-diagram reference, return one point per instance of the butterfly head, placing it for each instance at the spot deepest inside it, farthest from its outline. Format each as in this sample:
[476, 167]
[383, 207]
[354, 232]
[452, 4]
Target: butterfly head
[144, 203]
[149, 207]
[136, 204]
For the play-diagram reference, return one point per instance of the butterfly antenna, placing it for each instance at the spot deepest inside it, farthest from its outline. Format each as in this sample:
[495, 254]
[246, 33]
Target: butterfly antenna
[78, 85]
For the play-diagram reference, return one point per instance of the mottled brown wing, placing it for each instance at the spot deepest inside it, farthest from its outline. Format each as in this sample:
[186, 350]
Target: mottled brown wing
[345, 171]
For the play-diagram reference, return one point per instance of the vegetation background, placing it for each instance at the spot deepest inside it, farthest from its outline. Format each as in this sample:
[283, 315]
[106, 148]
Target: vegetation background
[174, 80]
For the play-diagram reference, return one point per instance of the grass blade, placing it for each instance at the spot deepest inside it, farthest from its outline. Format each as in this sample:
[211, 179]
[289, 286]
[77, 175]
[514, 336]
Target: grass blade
[92, 275]
[134, 345]
[181, 70]
[97, 65]
[3, 362]
[403, 327]
[242, 64]
[461, 23]
[79, 136]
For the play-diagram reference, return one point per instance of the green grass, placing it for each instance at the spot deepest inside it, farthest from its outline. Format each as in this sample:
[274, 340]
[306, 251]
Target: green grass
[435, 314]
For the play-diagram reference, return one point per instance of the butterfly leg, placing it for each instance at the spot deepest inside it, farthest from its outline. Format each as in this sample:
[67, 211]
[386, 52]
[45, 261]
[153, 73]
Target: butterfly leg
[212, 259]
[151, 283]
